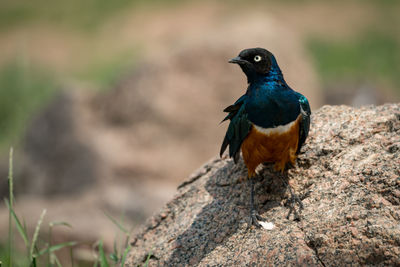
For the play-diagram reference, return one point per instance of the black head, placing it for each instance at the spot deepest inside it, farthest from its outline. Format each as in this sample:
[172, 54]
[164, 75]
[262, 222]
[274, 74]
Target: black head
[254, 61]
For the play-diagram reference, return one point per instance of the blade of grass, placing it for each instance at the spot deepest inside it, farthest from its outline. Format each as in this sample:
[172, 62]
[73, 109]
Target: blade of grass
[10, 177]
[34, 264]
[126, 251]
[20, 228]
[126, 244]
[94, 251]
[148, 258]
[56, 260]
[24, 226]
[71, 254]
[55, 248]
[36, 234]
[49, 243]
[122, 228]
[56, 223]
[115, 255]
[11, 196]
[103, 258]
[51, 225]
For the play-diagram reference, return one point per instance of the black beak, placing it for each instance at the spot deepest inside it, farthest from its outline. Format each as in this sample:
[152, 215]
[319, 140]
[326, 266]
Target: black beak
[237, 60]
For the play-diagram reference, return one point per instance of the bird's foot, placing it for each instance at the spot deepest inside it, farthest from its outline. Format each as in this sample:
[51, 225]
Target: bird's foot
[254, 216]
[292, 201]
[254, 219]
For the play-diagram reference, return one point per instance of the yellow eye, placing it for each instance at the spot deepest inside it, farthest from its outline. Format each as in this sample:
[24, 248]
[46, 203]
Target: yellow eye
[257, 58]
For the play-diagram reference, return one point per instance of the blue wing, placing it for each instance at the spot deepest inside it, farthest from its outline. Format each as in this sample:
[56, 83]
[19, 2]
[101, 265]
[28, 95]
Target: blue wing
[305, 122]
[240, 123]
[238, 129]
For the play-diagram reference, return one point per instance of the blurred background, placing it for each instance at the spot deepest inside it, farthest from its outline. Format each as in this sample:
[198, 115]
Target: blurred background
[110, 105]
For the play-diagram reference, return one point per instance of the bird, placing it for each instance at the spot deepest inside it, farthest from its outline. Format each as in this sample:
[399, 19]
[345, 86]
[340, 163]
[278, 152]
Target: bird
[269, 123]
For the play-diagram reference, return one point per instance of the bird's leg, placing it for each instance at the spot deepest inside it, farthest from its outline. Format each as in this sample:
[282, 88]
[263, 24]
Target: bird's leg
[292, 203]
[254, 216]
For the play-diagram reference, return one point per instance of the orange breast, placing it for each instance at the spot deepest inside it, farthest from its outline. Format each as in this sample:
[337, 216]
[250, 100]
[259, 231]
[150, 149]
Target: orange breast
[275, 146]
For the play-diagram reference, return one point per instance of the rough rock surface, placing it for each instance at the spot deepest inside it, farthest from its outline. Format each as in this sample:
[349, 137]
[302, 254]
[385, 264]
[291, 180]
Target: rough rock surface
[348, 176]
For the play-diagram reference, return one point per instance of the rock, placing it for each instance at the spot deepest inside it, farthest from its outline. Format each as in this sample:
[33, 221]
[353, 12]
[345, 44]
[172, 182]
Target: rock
[348, 176]
[57, 159]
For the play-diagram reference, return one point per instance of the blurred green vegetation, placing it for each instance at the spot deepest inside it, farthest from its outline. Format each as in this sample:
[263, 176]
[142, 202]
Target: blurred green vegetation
[19, 258]
[104, 72]
[83, 15]
[40, 249]
[23, 88]
[372, 57]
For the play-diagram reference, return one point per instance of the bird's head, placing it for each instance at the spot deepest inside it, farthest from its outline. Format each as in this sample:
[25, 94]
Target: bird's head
[257, 63]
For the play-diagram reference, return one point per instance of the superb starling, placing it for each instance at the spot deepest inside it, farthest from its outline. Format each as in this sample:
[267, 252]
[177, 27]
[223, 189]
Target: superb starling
[269, 123]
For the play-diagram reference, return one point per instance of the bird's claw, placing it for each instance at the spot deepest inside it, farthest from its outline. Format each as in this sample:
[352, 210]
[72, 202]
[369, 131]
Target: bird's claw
[254, 219]
[292, 206]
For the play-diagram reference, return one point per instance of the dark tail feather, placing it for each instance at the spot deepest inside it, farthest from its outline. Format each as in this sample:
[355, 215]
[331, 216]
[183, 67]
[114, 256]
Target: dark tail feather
[223, 146]
[236, 157]
[232, 108]
[228, 117]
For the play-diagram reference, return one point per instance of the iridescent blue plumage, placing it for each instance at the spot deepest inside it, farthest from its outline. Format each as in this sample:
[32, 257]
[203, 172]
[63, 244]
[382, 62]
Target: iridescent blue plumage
[269, 102]
[269, 123]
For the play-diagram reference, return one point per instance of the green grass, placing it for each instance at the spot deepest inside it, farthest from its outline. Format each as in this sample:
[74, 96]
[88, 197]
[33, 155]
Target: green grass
[24, 88]
[19, 258]
[35, 255]
[39, 249]
[372, 57]
[121, 245]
